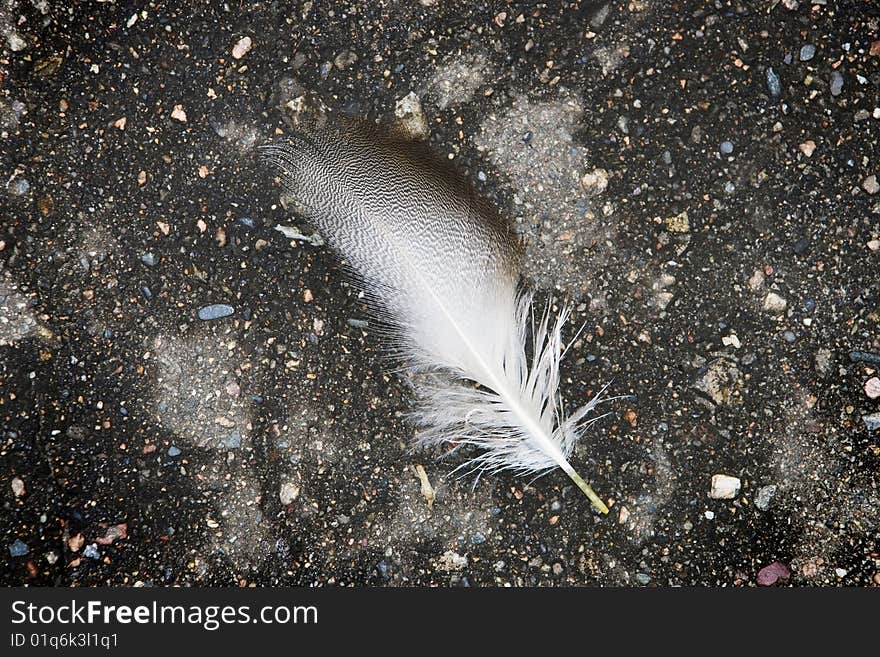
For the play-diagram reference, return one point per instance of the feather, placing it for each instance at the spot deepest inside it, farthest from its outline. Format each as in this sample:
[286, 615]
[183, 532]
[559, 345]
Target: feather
[443, 270]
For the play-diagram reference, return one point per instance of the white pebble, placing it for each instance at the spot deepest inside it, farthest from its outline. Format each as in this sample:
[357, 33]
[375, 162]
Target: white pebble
[242, 47]
[178, 114]
[731, 340]
[756, 280]
[595, 182]
[773, 303]
[724, 487]
[872, 387]
[288, 493]
[15, 42]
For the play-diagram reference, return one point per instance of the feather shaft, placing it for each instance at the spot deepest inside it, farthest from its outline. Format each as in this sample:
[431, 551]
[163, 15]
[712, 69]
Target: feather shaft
[443, 271]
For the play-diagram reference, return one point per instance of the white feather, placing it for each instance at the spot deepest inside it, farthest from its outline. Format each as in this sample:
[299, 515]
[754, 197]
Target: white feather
[443, 270]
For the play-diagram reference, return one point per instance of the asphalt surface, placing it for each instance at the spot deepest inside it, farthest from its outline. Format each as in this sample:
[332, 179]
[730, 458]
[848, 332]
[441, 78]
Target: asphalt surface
[722, 252]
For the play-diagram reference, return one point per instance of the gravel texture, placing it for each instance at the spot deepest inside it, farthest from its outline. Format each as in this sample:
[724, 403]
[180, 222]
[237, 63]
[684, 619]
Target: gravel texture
[723, 275]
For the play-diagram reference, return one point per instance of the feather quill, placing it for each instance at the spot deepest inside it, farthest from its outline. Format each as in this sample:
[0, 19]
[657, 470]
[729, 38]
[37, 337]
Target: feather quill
[443, 270]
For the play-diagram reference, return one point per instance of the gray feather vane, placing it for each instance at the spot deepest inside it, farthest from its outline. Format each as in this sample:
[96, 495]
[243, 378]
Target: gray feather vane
[443, 269]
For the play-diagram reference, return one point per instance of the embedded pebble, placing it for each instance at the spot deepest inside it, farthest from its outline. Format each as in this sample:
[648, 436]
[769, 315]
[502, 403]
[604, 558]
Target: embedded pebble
[775, 572]
[411, 117]
[731, 341]
[595, 182]
[871, 185]
[765, 496]
[178, 114]
[233, 441]
[724, 487]
[18, 548]
[872, 387]
[149, 259]
[451, 561]
[215, 311]
[872, 421]
[17, 486]
[722, 381]
[242, 48]
[807, 53]
[15, 42]
[91, 551]
[726, 147]
[344, 59]
[823, 360]
[808, 147]
[19, 187]
[680, 223]
[756, 280]
[173, 451]
[288, 493]
[773, 83]
[773, 303]
[836, 83]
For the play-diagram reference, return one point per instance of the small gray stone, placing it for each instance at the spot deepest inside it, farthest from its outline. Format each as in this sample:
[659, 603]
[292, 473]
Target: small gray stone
[19, 187]
[411, 117]
[344, 59]
[15, 42]
[871, 185]
[872, 421]
[765, 496]
[233, 440]
[773, 83]
[91, 551]
[808, 51]
[18, 548]
[149, 259]
[836, 83]
[173, 451]
[823, 360]
[726, 148]
[215, 311]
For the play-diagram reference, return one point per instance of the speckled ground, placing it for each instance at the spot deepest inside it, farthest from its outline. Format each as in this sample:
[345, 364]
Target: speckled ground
[724, 274]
